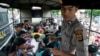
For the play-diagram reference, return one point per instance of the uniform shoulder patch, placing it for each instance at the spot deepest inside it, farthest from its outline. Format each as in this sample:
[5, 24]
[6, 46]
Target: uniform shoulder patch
[79, 34]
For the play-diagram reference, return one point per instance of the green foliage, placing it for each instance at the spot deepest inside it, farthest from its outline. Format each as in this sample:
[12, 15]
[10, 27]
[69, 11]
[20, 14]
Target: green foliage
[95, 13]
[55, 12]
[10, 9]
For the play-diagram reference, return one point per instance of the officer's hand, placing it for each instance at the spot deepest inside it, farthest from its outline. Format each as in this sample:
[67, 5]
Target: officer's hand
[52, 39]
[57, 52]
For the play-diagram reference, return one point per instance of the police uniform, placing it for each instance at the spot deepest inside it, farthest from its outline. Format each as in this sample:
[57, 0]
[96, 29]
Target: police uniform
[74, 39]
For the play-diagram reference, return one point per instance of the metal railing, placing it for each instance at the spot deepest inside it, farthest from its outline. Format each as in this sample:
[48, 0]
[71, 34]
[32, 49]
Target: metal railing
[5, 26]
[93, 31]
[9, 35]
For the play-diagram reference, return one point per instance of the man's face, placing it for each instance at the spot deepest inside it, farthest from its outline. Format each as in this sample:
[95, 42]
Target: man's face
[27, 23]
[23, 36]
[38, 40]
[18, 29]
[68, 12]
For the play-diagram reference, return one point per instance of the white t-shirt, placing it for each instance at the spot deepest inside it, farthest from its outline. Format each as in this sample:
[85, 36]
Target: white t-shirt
[35, 44]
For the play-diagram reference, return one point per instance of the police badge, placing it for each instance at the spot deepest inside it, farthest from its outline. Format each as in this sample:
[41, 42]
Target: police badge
[79, 34]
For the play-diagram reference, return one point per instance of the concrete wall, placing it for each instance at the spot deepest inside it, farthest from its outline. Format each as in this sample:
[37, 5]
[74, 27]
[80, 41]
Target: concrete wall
[26, 15]
[46, 13]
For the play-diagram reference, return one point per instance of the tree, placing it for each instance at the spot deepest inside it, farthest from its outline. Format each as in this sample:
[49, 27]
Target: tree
[95, 13]
[55, 12]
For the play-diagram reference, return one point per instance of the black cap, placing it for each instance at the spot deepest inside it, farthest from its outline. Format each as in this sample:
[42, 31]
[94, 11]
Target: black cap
[70, 2]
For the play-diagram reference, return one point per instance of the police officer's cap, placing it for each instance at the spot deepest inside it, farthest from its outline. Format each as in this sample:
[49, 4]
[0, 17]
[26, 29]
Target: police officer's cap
[70, 2]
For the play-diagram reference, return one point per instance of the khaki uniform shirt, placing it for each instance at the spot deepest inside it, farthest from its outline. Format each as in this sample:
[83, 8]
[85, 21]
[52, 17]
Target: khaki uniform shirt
[74, 38]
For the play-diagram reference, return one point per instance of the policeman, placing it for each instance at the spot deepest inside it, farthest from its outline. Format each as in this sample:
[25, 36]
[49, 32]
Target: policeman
[74, 41]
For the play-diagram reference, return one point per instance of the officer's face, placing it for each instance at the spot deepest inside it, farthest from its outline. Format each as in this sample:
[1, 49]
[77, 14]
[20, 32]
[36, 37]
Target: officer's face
[68, 12]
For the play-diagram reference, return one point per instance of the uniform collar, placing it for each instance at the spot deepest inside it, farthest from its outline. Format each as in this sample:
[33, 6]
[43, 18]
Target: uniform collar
[69, 22]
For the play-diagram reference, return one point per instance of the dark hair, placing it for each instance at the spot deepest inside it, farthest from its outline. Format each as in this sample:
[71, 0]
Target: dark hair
[47, 52]
[28, 28]
[71, 3]
[59, 27]
[26, 21]
[36, 36]
[19, 25]
[21, 32]
[17, 42]
[9, 49]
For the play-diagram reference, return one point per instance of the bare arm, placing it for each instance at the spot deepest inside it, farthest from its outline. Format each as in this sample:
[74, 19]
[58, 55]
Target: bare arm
[57, 52]
[67, 54]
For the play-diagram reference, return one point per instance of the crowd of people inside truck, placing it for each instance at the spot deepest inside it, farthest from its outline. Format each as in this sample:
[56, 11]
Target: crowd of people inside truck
[37, 39]
[32, 40]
